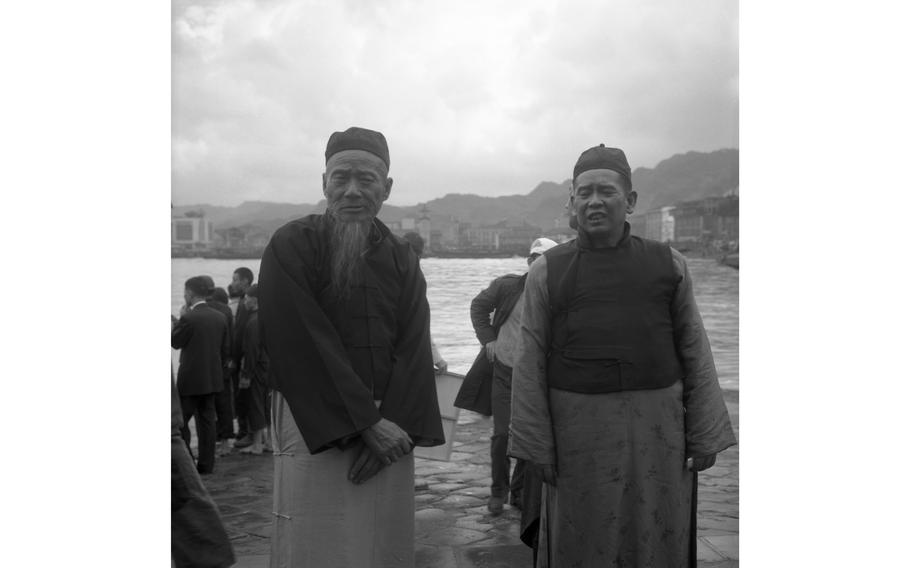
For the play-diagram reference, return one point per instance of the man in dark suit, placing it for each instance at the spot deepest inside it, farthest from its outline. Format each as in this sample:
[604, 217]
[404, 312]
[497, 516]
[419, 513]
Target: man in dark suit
[240, 281]
[217, 299]
[202, 337]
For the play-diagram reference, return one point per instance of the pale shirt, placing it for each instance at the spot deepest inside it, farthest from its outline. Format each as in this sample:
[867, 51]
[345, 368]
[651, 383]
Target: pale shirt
[509, 333]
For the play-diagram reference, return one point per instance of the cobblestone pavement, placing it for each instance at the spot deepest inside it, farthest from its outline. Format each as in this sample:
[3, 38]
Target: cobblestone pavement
[453, 527]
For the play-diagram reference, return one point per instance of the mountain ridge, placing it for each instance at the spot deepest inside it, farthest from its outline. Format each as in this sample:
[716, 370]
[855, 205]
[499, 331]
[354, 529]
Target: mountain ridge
[681, 177]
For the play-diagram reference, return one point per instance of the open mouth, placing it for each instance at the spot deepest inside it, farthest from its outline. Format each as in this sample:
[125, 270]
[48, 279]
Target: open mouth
[596, 216]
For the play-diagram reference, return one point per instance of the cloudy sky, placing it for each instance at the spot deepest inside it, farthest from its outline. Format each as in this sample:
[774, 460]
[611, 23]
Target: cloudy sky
[488, 97]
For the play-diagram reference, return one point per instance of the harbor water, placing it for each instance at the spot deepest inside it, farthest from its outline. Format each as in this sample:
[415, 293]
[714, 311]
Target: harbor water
[453, 282]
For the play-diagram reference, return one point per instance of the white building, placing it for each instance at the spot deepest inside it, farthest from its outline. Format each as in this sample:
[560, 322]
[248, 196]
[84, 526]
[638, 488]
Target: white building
[659, 224]
[191, 232]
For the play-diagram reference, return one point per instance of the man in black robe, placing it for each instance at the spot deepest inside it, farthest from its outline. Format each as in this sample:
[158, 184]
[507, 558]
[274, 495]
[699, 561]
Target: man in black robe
[345, 321]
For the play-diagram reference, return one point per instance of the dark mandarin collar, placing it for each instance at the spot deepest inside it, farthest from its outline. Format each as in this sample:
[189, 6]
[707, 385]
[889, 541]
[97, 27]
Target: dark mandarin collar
[584, 242]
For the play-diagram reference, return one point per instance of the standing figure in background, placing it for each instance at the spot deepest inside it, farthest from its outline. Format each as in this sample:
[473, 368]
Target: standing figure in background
[499, 337]
[440, 364]
[346, 323]
[202, 338]
[614, 394]
[217, 299]
[254, 369]
[240, 281]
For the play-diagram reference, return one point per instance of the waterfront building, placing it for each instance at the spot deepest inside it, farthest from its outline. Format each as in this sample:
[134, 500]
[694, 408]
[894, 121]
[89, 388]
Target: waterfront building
[659, 224]
[705, 220]
[191, 233]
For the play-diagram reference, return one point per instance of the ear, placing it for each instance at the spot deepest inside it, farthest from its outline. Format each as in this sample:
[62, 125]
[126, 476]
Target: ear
[631, 200]
[324, 192]
[388, 188]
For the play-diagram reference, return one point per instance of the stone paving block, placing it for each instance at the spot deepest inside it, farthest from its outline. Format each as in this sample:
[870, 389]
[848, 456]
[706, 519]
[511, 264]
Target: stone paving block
[465, 476]
[426, 498]
[726, 546]
[433, 515]
[252, 561]
[446, 487]
[707, 524]
[434, 557]
[474, 522]
[460, 456]
[477, 491]
[502, 556]
[457, 501]
[706, 553]
[451, 536]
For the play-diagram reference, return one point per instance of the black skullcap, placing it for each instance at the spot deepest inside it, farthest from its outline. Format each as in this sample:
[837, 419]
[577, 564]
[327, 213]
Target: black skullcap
[356, 138]
[603, 158]
[252, 291]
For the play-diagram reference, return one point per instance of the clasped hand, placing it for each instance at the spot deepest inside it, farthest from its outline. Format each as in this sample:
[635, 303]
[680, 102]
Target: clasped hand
[383, 443]
[702, 463]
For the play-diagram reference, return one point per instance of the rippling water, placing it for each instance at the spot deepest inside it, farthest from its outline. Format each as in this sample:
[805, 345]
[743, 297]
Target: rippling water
[452, 283]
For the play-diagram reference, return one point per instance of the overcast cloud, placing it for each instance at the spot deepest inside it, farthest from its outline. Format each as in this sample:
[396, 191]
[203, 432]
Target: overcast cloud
[487, 97]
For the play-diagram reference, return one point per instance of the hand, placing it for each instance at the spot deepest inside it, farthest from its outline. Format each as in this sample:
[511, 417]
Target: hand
[441, 366]
[702, 463]
[366, 465]
[491, 351]
[387, 440]
[549, 474]
[184, 309]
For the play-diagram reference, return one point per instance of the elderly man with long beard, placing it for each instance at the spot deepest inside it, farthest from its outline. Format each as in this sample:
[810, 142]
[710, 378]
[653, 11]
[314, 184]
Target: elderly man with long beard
[346, 323]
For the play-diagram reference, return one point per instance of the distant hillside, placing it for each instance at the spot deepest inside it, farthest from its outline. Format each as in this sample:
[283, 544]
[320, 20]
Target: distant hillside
[686, 177]
[683, 177]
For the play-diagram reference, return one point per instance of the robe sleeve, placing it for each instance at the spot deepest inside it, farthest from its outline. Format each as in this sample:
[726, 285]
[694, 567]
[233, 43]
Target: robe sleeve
[481, 307]
[410, 400]
[308, 362]
[531, 428]
[181, 333]
[708, 427]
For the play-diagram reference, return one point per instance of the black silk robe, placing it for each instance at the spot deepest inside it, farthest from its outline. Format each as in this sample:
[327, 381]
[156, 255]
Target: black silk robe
[332, 359]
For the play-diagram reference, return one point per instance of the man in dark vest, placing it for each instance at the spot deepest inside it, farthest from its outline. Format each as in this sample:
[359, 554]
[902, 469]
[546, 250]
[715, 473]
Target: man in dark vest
[202, 338]
[492, 372]
[614, 394]
[346, 324]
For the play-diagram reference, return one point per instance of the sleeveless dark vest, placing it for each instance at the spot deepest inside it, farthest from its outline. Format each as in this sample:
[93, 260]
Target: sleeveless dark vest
[610, 317]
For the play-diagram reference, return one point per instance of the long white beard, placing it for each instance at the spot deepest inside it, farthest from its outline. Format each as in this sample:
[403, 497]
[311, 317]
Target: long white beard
[348, 242]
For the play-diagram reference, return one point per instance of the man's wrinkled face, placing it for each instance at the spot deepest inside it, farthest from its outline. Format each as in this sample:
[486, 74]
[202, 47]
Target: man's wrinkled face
[355, 184]
[600, 202]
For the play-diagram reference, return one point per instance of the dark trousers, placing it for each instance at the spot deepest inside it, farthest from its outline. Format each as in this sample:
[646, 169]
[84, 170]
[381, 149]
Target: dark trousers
[258, 395]
[198, 537]
[499, 441]
[202, 408]
[241, 404]
[224, 409]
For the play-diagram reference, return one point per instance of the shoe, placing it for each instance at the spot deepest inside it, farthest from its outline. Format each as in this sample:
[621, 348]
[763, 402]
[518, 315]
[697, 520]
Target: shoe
[252, 449]
[494, 505]
[244, 442]
[223, 448]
